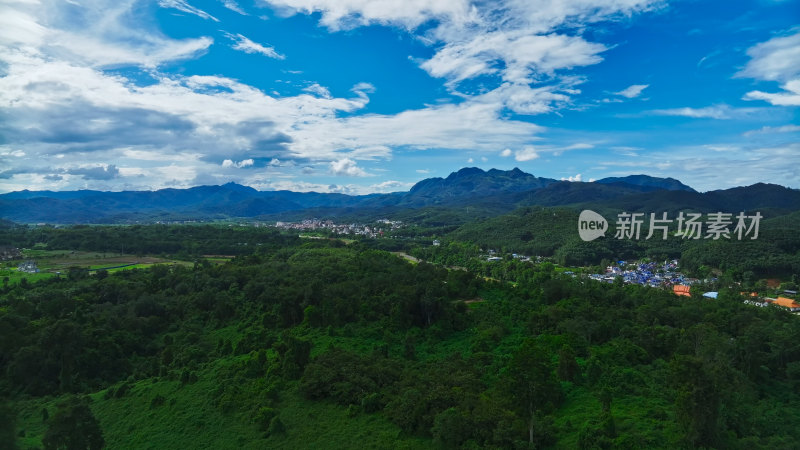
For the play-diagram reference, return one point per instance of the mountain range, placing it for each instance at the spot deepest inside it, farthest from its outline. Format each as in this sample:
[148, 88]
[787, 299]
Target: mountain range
[493, 191]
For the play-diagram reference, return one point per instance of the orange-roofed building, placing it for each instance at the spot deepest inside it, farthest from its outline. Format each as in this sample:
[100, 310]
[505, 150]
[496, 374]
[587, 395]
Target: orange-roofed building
[681, 289]
[788, 303]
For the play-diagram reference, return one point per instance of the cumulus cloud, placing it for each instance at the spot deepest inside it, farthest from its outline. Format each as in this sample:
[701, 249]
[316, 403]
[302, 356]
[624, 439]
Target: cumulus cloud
[470, 125]
[506, 153]
[60, 101]
[105, 172]
[244, 44]
[526, 154]
[576, 178]
[633, 90]
[344, 14]
[238, 165]
[275, 162]
[347, 167]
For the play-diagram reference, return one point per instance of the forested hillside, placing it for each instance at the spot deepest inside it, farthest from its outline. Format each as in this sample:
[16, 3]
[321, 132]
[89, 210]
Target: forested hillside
[298, 344]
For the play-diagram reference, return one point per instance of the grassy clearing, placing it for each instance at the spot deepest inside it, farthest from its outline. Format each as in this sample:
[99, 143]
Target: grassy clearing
[15, 276]
[329, 426]
[163, 414]
[645, 422]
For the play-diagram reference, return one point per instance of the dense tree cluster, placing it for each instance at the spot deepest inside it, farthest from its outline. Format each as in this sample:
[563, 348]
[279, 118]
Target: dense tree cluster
[545, 360]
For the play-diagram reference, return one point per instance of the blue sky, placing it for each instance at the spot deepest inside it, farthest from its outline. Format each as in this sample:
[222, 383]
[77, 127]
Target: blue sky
[360, 96]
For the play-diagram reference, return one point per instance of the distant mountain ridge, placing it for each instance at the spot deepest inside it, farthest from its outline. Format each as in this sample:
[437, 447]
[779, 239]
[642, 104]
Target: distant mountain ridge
[646, 181]
[471, 182]
[493, 191]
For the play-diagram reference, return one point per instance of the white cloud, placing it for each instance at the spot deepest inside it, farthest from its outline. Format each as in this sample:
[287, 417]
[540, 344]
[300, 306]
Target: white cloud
[523, 99]
[777, 59]
[182, 5]
[347, 167]
[772, 130]
[99, 35]
[364, 88]
[515, 43]
[579, 146]
[238, 165]
[233, 6]
[633, 90]
[526, 154]
[522, 55]
[506, 153]
[350, 189]
[484, 159]
[244, 44]
[320, 91]
[344, 14]
[469, 125]
[470, 161]
[708, 112]
[174, 129]
[390, 186]
[737, 165]
[423, 171]
[576, 178]
[790, 96]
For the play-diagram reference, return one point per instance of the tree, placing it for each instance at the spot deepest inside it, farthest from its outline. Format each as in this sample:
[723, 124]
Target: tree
[531, 384]
[697, 401]
[8, 438]
[451, 428]
[567, 365]
[73, 426]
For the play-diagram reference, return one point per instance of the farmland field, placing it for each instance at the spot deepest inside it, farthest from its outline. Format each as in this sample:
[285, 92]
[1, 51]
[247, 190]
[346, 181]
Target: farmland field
[54, 262]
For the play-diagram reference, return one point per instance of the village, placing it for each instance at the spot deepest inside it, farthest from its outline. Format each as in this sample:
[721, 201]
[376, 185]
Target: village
[646, 273]
[661, 275]
[377, 230]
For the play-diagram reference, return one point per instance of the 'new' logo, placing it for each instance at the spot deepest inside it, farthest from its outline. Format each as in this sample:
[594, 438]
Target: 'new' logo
[591, 225]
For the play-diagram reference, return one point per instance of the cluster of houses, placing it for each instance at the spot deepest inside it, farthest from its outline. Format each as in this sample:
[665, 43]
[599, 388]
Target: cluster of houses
[647, 274]
[10, 253]
[28, 267]
[353, 229]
